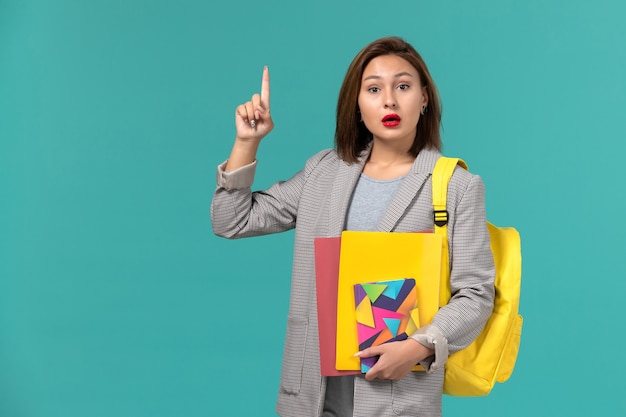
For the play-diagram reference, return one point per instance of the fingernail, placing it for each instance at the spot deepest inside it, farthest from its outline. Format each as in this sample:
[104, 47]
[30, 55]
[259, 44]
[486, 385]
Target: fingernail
[357, 354]
[253, 123]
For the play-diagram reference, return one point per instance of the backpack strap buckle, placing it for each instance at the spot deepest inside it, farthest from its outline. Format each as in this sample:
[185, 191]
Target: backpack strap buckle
[440, 217]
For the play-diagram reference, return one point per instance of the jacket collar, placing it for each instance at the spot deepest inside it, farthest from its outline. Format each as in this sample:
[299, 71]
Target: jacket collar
[348, 176]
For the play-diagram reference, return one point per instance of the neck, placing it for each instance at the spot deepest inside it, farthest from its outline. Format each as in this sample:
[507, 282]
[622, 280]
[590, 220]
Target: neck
[387, 162]
[387, 154]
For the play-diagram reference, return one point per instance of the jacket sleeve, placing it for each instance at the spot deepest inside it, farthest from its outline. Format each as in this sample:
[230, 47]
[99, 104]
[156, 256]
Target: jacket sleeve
[237, 211]
[472, 275]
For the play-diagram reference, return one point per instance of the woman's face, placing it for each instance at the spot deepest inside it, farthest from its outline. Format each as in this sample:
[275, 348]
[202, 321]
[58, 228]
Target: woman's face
[391, 99]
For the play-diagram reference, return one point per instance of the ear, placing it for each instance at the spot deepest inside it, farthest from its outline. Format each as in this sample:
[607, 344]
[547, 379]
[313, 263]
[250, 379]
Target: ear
[425, 95]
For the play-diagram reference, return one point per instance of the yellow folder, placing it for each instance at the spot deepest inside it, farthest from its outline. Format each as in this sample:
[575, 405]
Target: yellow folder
[380, 256]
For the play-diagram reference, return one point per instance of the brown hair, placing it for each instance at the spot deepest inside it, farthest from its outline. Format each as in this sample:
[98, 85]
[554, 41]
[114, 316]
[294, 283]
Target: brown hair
[351, 136]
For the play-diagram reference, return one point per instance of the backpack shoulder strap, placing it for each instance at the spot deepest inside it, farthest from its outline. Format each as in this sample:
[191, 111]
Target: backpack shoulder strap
[441, 177]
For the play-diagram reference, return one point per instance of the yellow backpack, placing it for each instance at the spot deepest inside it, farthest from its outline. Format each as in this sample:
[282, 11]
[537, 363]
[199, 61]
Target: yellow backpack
[491, 358]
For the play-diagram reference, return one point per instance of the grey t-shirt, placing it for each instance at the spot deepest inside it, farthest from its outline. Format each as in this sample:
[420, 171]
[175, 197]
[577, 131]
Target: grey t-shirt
[369, 202]
[367, 207]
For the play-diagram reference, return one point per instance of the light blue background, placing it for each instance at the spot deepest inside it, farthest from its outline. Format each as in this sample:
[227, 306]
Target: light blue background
[117, 300]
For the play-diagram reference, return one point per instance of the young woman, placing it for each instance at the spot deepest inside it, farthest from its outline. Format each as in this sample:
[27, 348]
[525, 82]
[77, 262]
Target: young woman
[387, 141]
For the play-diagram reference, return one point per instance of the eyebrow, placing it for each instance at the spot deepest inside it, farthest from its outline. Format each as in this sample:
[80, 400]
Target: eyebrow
[398, 75]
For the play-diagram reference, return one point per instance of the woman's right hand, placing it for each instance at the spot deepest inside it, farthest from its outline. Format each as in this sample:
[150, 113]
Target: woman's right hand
[253, 119]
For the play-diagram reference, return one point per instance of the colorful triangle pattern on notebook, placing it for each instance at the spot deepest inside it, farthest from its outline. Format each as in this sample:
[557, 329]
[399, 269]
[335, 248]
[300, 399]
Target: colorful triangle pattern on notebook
[386, 311]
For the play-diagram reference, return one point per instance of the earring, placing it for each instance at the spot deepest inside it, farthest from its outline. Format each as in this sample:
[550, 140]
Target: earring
[424, 110]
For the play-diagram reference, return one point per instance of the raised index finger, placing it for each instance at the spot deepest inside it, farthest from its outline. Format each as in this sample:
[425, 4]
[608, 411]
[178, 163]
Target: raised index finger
[265, 88]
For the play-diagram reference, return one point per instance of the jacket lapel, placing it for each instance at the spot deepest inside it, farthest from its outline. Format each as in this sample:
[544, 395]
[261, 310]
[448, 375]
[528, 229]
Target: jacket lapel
[341, 193]
[420, 171]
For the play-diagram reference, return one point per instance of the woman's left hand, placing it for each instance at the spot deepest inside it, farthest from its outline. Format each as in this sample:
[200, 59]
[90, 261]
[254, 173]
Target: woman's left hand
[396, 359]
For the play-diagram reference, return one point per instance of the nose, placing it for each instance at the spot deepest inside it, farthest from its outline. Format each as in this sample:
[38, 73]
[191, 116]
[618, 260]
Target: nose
[390, 101]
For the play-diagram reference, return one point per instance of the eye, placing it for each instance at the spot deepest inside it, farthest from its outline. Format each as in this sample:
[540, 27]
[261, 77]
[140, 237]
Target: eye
[373, 89]
[403, 87]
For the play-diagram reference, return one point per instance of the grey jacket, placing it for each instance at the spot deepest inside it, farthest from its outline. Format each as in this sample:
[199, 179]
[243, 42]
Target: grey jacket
[315, 202]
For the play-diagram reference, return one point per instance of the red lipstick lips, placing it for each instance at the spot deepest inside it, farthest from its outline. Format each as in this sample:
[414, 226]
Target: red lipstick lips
[391, 120]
